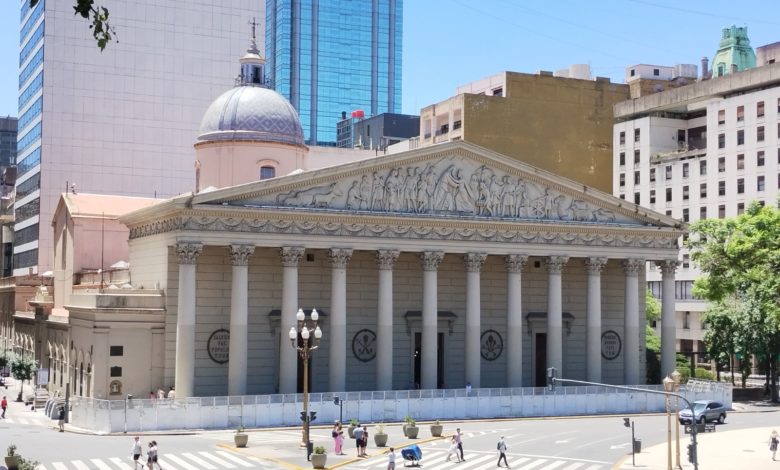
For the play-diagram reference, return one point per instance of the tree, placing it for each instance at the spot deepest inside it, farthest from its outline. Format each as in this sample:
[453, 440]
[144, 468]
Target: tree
[22, 368]
[740, 259]
[102, 30]
[652, 340]
[720, 334]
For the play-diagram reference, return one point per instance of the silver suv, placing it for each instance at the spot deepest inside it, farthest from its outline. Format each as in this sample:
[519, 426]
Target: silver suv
[704, 410]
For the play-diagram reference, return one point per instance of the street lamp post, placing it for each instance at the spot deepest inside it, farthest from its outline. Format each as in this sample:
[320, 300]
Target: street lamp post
[676, 379]
[305, 348]
[669, 387]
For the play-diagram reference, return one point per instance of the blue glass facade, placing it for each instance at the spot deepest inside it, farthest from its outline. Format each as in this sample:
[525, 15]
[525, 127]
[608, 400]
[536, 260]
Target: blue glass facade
[330, 56]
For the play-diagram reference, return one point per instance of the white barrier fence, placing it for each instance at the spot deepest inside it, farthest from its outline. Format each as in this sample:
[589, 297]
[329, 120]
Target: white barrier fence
[134, 415]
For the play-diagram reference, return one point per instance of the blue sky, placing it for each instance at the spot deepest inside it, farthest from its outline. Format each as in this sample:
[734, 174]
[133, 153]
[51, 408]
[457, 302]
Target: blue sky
[452, 42]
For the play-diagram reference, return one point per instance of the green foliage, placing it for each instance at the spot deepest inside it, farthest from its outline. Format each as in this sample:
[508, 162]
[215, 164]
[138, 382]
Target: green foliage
[239, 429]
[102, 31]
[353, 422]
[25, 464]
[319, 450]
[409, 421]
[11, 451]
[23, 366]
[652, 307]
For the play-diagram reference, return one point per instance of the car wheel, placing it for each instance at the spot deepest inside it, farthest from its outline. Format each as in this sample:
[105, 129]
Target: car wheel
[722, 418]
[702, 420]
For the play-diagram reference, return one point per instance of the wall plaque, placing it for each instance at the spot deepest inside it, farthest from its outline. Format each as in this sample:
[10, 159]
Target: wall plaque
[610, 345]
[218, 346]
[491, 345]
[364, 345]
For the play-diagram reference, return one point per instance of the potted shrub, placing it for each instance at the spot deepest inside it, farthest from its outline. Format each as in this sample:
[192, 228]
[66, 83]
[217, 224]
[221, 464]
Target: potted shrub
[436, 429]
[411, 429]
[380, 438]
[351, 429]
[241, 438]
[12, 458]
[407, 420]
[319, 457]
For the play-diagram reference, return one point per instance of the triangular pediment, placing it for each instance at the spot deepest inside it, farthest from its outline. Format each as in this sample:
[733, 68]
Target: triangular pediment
[453, 180]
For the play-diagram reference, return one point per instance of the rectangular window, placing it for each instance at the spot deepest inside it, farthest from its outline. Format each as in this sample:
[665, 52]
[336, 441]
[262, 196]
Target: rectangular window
[722, 116]
[116, 371]
[740, 208]
[703, 212]
[622, 196]
[686, 261]
[760, 158]
[623, 136]
[668, 194]
[652, 196]
[703, 190]
[622, 179]
[687, 320]
[668, 172]
[117, 351]
[741, 136]
[741, 161]
[652, 170]
[636, 135]
[721, 164]
[622, 158]
[778, 105]
[685, 170]
[721, 188]
[636, 177]
[721, 211]
[760, 134]
[669, 212]
[636, 157]
[703, 167]
[636, 198]
[760, 109]
[686, 193]
[740, 113]
[760, 183]
[721, 141]
[740, 185]
[686, 215]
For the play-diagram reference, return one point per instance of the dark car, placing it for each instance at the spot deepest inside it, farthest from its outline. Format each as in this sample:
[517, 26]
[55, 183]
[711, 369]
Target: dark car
[704, 410]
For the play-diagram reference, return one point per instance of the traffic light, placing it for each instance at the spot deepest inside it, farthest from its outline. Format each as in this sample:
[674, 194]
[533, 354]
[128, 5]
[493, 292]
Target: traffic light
[692, 453]
[551, 375]
[627, 422]
[312, 416]
[303, 416]
[336, 401]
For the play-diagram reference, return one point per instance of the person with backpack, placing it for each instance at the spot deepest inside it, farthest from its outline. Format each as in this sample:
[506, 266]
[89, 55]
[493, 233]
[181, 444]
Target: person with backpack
[773, 441]
[501, 448]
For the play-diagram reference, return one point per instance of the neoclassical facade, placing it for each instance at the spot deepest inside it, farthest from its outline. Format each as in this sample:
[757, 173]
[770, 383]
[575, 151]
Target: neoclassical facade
[432, 268]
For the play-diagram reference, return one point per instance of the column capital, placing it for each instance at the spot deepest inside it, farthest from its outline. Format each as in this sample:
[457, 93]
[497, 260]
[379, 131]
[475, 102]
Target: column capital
[386, 259]
[515, 263]
[339, 257]
[291, 255]
[239, 254]
[430, 260]
[668, 266]
[632, 266]
[188, 252]
[474, 261]
[555, 264]
[595, 265]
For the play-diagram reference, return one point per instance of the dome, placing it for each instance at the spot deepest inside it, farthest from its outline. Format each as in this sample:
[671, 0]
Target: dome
[251, 113]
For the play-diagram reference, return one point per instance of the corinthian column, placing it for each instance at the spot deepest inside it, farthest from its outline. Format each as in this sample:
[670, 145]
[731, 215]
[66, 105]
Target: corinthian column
[631, 358]
[514, 318]
[185, 318]
[474, 263]
[555, 266]
[385, 260]
[288, 357]
[237, 364]
[593, 345]
[430, 261]
[668, 317]
[339, 257]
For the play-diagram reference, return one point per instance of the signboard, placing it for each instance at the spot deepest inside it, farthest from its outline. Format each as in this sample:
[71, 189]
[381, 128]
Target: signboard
[218, 346]
[43, 376]
[610, 345]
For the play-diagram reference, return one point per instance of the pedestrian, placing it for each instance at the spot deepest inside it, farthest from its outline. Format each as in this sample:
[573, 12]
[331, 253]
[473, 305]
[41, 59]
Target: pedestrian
[171, 394]
[4, 406]
[391, 459]
[151, 456]
[453, 450]
[364, 442]
[160, 393]
[459, 441]
[358, 439]
[152, 395]
[468, 389]
[773, 441]
[136, 451]
[335, 435]
[501, 447]
[61, 419]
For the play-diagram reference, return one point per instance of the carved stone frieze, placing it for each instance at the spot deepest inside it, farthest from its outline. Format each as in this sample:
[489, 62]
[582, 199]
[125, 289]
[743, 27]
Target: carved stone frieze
[188, 252]
[239, 254]
[291, 255]
[430, 260]
[474, 261]
[515, 263]
[386, 259]
[339, 257]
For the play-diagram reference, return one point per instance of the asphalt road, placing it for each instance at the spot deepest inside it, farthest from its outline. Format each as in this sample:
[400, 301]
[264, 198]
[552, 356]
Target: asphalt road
[561, 443]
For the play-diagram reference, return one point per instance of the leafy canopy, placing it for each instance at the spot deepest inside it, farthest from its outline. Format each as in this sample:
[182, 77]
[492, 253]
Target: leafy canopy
[102, 30]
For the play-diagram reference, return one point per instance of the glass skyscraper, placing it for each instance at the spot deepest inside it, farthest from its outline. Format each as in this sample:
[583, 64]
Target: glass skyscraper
[330, 56]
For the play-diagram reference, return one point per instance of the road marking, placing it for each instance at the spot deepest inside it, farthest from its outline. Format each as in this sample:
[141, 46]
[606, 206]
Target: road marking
[574, 466]
[214, 458]
[594, 467]
[100, 465]
[59, 466]
[203, 464]
[79, 465]
[469, 463]
[118, 462]
[41, 467]
[229, 456]
[162, 463]
[181, 462]
[534, 464]
[553, 465]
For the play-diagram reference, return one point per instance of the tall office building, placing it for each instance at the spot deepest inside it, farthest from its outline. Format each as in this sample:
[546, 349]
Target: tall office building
[121, 121]
[331, 56]
[7, 141]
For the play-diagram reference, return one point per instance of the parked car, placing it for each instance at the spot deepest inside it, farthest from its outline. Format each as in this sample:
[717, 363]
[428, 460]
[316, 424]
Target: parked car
[704, 410]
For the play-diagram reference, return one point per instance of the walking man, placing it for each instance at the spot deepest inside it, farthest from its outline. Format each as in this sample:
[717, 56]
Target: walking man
[4, 406]
[459, 441]
[136, 451]
[391, 459]
[359, 440]
[501, 447]
[61, 419]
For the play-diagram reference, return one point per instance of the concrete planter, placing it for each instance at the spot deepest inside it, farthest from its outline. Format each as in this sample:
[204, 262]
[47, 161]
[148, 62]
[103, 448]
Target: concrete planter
[380, 439]
[241, 439]
[351, 431]
[412, 431]
[319, 460]
[436, 430]
[12, 462]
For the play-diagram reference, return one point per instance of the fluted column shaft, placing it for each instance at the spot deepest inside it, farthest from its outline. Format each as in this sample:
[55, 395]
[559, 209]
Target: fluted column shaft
[593, 332]
[239, 319]
[474, 263]
[631, 321]
[430, 261]
[514, 319]
[384, 352]
[288, 356]
[555, 266]
[339, 257]
[185, 319]
[668, 318]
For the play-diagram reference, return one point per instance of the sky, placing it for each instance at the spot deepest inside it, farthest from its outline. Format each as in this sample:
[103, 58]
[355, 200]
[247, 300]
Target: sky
[448, 43]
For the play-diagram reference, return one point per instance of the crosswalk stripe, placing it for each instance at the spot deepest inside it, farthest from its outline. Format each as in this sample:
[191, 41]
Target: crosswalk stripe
[118, 462]
[534, 464]
[574, 466]
[594, 467]
[182, 463]
[100, 464]
[79, 465]
[554, 465]
[469, 463]
[59, 466]
[164, 463]
[41, 467]
[199, 461]
[214, 458]
[229, 456]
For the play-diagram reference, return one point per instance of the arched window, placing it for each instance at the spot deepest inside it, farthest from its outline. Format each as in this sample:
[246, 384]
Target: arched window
[267, 172]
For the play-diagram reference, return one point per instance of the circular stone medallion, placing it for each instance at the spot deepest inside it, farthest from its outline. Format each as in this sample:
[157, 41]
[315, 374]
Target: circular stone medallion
[610, 345]
[364, 345]
[491, 345]
[218, 346]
